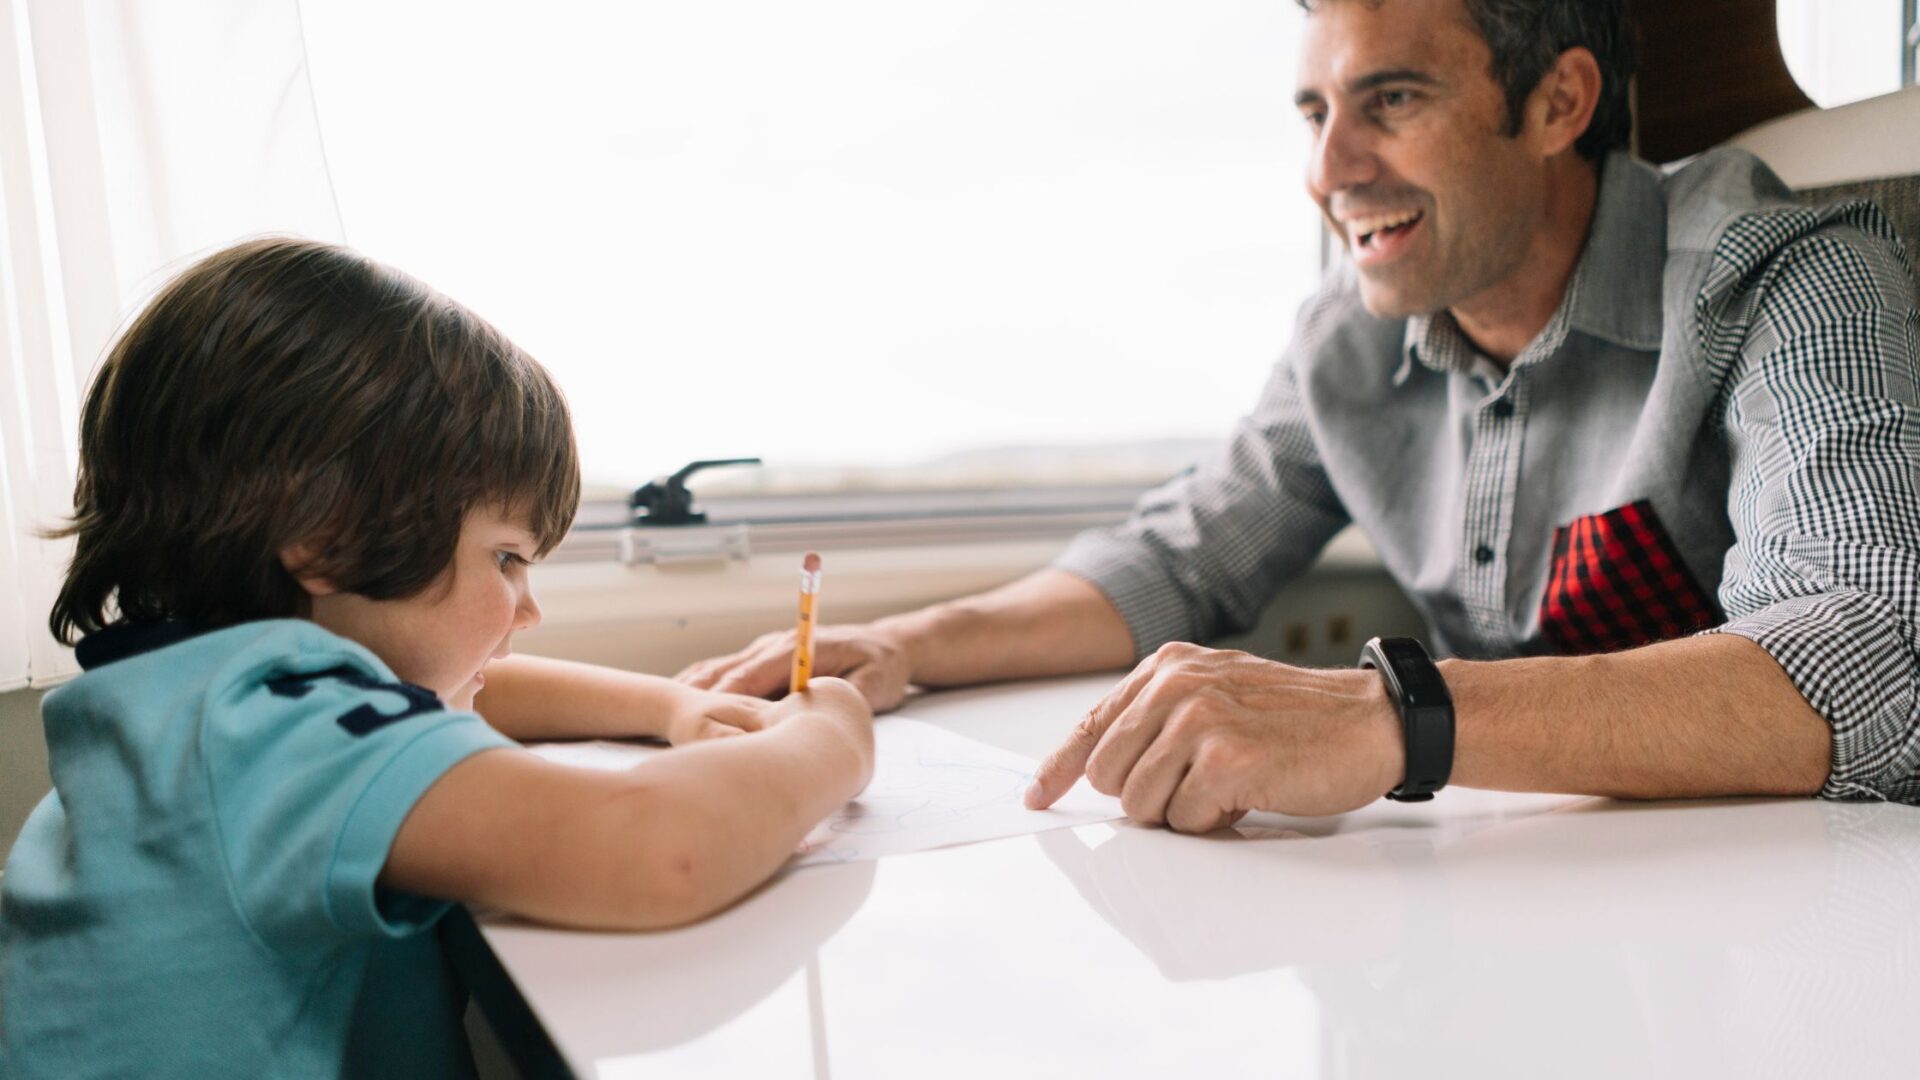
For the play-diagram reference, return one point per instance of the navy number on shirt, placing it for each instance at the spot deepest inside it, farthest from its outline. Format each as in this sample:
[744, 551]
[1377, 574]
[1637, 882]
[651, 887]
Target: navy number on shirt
[363, 719]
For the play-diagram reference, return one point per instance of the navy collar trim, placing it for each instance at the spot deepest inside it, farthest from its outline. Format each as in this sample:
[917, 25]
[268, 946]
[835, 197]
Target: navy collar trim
[123, 640]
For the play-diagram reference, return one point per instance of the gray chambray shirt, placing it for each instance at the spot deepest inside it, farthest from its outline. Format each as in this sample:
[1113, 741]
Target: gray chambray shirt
[1717, 430]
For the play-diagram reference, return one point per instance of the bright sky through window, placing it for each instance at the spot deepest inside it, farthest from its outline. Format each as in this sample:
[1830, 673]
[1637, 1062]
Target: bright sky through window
[1842, 50]
[845, 232]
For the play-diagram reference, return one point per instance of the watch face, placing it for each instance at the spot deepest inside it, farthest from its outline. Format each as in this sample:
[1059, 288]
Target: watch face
[1420, 681]
[1422, 692]
[1400, 651]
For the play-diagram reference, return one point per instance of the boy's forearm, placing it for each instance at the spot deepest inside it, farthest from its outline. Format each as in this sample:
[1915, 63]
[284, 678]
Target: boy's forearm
[663, 844]
[723, 815]
[533, 697]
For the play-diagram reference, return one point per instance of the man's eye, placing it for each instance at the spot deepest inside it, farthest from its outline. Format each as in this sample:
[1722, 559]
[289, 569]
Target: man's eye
[1314, 119]
[1393, 99]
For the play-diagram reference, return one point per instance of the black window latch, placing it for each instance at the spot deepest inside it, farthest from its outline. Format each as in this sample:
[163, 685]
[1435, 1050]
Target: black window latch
[665, 500]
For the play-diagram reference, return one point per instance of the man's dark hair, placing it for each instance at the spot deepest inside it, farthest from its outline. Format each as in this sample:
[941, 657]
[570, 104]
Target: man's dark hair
[284, 392]
[1528, 36]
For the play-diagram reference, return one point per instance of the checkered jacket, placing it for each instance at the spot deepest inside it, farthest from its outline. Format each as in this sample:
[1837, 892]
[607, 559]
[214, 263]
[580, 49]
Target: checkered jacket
[1717, 431]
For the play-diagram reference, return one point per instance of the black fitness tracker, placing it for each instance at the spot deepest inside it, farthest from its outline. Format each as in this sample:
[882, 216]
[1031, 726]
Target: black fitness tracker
[1426, 713]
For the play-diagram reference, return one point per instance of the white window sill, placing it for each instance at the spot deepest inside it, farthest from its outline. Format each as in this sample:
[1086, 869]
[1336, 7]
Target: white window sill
[660, 618]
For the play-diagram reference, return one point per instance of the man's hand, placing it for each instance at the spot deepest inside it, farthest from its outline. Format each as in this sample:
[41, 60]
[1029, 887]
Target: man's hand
[708, 714]
[868, 658]
[1194, 738]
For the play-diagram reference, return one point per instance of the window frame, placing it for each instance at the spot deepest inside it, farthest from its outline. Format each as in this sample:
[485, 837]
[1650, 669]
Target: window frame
[1910, 43]
[739, 526]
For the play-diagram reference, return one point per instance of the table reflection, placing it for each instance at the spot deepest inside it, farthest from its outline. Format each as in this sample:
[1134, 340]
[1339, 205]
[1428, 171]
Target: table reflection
[1599, 938]
[702, 977]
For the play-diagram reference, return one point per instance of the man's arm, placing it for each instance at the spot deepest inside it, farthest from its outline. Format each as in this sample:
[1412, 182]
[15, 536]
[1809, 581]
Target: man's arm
[1698, 717]
[531, 697]
[1047, 623]
[1822, 410]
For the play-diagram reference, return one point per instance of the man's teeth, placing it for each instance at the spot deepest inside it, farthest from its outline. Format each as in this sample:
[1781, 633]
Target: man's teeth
[1365, 228]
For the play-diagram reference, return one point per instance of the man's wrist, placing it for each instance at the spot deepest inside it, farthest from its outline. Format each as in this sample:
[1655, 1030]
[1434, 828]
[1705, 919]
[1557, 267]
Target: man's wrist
[1388, 742]
[647, 706]
[1419, 693]
[904, 634]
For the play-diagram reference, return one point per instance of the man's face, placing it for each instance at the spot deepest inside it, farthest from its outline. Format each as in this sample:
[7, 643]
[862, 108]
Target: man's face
[1411, 164]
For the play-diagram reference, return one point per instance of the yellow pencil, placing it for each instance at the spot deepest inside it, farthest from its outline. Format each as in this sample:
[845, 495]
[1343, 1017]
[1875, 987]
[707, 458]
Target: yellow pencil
[803, 639]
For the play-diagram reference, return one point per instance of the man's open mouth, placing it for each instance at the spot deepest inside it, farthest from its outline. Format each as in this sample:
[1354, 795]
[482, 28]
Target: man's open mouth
[1379, 229]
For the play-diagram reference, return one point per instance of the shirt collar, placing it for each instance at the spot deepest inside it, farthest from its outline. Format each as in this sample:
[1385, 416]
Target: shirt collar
[1614, 294]
[128, 639]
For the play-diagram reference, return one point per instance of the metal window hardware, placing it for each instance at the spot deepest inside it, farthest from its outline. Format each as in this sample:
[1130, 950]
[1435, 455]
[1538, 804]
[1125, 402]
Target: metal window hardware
[658, 513]
[665, 500]
[712, 544]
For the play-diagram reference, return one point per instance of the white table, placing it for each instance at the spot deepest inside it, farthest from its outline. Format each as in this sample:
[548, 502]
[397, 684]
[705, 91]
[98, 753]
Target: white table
[1481, 935]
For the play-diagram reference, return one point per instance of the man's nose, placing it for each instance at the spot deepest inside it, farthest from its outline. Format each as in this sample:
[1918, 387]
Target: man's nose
[1343, 156]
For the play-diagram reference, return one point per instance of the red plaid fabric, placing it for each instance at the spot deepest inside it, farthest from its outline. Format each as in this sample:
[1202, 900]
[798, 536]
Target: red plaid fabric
[1618, 582]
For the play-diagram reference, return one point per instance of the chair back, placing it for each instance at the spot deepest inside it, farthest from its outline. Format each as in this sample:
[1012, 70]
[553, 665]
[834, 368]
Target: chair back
[1867, 150]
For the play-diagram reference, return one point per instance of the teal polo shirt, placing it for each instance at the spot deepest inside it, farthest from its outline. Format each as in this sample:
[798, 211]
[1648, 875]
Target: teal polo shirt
[197, 896]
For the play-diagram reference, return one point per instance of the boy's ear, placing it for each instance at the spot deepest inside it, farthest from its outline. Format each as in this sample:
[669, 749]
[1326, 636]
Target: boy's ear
[295, 558]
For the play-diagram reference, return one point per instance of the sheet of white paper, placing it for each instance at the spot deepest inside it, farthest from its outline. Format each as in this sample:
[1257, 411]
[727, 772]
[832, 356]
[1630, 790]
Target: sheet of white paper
[599, 754]
[930, 788]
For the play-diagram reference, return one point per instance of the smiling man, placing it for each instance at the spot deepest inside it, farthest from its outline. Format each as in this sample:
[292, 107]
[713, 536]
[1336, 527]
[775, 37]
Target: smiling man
[1644, 449]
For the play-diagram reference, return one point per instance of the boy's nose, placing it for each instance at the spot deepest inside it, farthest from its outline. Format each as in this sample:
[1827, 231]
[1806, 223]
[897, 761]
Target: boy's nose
[527, 615]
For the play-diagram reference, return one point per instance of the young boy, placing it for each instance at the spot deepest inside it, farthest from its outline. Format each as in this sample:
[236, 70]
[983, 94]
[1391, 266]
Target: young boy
[310, 489]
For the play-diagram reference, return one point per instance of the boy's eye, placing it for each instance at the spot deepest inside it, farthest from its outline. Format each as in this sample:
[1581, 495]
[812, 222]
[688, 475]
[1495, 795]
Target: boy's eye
[508, 558]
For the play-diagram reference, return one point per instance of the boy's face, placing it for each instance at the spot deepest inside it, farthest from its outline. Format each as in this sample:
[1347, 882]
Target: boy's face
[443, 637]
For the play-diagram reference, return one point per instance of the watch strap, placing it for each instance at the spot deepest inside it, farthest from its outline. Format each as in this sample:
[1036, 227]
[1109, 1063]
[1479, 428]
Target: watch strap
[1420, 693]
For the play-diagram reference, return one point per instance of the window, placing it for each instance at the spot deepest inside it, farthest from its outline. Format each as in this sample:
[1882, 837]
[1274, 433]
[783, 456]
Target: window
[862, 239]
[1847, 50]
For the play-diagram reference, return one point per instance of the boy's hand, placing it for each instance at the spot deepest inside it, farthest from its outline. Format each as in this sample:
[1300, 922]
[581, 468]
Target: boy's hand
[838, 702]
[707, 714]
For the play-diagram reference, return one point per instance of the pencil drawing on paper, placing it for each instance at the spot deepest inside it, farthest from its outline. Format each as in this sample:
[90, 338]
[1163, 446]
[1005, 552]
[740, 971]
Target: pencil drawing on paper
[937, 791]
[933, 788]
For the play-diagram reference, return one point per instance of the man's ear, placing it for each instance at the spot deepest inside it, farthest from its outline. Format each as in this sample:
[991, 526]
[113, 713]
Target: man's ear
[295, 558]
[1562, 106]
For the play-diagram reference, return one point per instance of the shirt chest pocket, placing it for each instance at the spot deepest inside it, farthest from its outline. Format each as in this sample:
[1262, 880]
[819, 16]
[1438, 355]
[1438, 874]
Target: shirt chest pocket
[1617, 581]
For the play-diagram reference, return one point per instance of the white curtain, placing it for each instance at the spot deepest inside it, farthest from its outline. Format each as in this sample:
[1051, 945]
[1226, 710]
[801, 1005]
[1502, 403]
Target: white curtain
[135, 135]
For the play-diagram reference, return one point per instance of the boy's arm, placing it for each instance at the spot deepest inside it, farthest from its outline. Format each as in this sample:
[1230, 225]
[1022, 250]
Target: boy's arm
[529, 698]
[669, 842]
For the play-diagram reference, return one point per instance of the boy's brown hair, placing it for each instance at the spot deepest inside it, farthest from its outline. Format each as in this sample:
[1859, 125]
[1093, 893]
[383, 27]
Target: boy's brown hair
[286, 392]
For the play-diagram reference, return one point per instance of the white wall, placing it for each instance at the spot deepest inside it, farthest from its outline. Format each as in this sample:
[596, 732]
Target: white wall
[23, 762]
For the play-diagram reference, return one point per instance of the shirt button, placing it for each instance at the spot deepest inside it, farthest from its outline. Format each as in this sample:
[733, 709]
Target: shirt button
[1503, 408]
[1483, 554]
